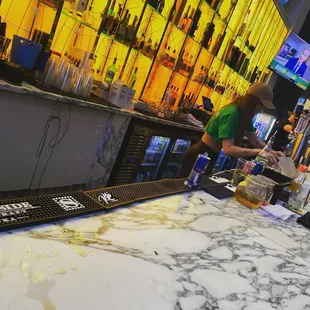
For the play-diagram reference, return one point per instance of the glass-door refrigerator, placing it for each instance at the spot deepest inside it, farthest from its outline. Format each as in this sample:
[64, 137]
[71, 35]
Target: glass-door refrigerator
[153, 158]
[174, 157]
[150, 153]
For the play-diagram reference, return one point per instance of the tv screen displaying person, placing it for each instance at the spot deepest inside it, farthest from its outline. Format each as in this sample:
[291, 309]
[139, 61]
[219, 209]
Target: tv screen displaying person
[299, 65]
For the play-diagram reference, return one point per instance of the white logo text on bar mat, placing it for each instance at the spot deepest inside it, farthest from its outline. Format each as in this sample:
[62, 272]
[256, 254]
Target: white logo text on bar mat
[106, 198]
[12, 212]
[68, 203]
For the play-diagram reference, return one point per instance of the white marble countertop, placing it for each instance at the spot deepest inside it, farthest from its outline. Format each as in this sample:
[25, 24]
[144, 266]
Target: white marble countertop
[187, 251]
[27, 89]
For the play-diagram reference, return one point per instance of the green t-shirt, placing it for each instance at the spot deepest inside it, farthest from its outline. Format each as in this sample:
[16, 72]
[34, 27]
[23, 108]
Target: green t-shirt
[224, 124]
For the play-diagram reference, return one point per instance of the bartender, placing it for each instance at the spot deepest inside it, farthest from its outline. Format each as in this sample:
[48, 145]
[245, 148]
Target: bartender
[283, 129]
[227, 127]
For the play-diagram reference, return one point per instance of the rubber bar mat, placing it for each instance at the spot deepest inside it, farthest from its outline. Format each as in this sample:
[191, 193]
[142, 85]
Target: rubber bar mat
[117, 196]
[23, 212]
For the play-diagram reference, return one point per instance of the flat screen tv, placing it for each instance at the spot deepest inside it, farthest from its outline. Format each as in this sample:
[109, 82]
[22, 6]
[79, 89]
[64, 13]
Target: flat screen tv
[293, 61]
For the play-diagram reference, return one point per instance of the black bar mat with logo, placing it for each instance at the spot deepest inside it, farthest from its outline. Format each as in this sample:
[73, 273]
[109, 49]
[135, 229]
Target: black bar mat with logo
[23, 212]
[117, 196]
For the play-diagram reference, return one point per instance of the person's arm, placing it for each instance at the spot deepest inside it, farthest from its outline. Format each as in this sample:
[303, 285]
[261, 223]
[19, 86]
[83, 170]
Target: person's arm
[258, 143]
[230, 149]
[255, 141]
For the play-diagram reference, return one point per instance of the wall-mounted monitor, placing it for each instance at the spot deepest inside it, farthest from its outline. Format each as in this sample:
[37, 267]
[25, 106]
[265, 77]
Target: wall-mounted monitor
[293, 61]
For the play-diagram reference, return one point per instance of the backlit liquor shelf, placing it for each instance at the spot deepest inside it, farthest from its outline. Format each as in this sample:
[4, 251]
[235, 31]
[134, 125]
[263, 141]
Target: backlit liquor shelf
[168, 51]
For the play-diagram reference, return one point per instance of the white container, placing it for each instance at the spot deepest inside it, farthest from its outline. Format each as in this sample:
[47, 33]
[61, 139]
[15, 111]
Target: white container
[121, 95]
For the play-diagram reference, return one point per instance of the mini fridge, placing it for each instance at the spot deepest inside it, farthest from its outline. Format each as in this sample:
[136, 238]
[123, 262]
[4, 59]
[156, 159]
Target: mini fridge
[153, 158]
[174, 158]
[149, 154]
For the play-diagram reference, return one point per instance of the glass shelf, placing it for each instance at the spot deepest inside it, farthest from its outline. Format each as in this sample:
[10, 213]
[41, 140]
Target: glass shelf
[142, 54]
[68, 14]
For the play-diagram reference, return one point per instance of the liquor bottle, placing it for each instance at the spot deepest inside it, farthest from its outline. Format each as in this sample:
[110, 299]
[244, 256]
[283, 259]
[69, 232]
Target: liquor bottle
[201, 75]
[204, 75]
[187, 103]
[211, 80]
[168, 95]
[184, 19]
[81, 6]
[215, 3]
[189, 20]
[233, 4]
[190, 64]
[111, 70]
[184, 62]
[68, 5]
[218, 43]
[174, 95]
[132, 29]
[88, 17]
[148, 47]
[155, 49]
[157, 4]
[116, 20]
[208, 35]
[160, 6]
[141, 42]
[163, 55]
[266, 151]
[168, 53]
[123, 26]
[198, 76]
[172, 59]
[133, 79]
[109, 18]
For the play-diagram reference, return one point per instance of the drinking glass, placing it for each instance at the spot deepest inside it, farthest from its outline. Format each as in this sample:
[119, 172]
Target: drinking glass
[238, 175]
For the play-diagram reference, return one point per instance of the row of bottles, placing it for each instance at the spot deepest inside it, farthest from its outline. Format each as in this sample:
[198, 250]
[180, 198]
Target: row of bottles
[187, 19]
[168, 57]
[171, 95]
[119, 23]
[185, 63]
[146, 45]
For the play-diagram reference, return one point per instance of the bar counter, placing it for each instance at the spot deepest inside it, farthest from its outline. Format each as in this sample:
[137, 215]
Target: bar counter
[91, 137]
[186, 251]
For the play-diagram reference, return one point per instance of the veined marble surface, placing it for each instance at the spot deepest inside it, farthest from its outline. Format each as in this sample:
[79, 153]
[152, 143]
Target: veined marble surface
[27, 89]
[188, 251]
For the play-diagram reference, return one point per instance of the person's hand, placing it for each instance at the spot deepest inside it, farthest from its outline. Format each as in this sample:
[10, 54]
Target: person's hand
[272, 159]
[278, 154]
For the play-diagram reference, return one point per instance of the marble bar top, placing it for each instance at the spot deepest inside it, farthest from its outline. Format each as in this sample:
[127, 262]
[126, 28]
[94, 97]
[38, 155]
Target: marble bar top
[187, 251]
[28, 89]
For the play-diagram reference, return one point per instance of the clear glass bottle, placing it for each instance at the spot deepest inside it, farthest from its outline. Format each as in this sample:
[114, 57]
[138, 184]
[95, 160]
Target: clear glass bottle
[133, 79]
[108, 23]
[262, 157]
[123, 27]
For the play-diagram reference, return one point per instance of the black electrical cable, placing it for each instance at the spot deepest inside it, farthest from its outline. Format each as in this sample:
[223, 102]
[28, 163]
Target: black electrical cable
[51, 144]
[40, 148]
[54, 142]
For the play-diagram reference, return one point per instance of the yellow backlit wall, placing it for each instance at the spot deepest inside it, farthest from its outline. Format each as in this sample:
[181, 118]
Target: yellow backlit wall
[254, 26]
